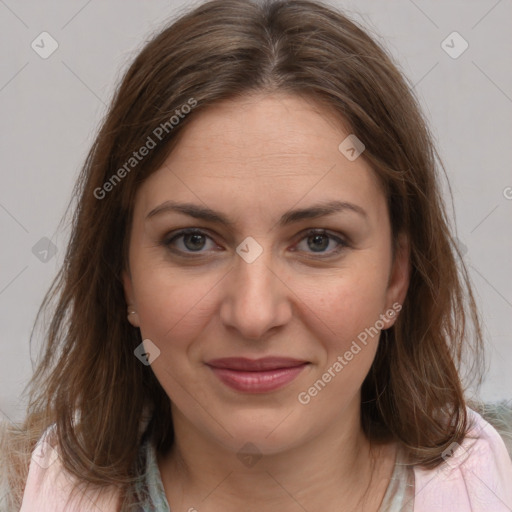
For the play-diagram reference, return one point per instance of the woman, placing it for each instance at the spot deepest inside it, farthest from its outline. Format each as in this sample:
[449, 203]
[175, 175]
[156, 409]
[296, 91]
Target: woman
[261, 306]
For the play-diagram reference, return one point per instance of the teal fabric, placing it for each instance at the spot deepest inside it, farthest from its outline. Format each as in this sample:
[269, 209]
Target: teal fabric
[499, 415]
[149, 491]
[157, 499]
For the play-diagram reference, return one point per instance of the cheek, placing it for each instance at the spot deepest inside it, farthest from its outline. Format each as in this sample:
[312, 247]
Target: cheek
[173, 306]
[348, 303]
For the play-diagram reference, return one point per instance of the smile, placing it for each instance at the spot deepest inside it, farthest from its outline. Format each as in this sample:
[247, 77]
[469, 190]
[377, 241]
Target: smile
[256, 376]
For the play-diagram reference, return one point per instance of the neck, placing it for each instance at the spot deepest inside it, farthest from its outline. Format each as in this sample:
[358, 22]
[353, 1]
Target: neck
[338, 471]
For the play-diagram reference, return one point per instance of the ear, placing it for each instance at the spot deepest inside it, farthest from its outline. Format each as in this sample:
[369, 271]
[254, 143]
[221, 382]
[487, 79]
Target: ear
[399, 277]
[132, 314]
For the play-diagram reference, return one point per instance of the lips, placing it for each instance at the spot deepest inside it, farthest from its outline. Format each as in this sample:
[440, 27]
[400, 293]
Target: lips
[254, 365]
[256, 375]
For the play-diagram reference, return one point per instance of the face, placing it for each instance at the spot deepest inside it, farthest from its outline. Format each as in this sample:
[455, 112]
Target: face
[266, 294]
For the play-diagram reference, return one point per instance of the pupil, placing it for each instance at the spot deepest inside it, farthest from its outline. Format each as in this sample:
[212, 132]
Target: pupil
[196, 241]
[317, 237]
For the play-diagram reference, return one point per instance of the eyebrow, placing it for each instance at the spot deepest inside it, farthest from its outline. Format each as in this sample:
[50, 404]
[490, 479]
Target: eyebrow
[312, 212]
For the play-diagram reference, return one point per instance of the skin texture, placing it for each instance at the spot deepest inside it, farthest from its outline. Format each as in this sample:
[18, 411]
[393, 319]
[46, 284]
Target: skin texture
[253, 159]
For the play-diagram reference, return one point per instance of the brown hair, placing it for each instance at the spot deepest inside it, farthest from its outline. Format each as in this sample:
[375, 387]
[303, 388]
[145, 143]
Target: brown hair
[88, 382]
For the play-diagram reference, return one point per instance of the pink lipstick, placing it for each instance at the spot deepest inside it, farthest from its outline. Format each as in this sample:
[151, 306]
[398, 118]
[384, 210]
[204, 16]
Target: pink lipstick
[256, 375]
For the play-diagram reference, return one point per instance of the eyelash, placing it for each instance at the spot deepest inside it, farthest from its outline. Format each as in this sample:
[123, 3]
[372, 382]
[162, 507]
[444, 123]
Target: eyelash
[172, 237]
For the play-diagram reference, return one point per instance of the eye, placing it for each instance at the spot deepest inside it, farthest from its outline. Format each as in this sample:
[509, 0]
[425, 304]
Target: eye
[193, 240]
[318, 240]
[188, 241]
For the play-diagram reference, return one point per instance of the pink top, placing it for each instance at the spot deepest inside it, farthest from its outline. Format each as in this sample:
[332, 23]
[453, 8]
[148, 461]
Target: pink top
[477, 477]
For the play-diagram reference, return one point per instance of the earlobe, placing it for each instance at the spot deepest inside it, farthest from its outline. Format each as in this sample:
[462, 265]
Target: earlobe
[132, 316]
[131, 313]
[399, 277]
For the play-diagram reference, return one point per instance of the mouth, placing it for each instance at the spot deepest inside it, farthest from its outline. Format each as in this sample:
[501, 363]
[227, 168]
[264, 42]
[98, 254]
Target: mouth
[256, 375]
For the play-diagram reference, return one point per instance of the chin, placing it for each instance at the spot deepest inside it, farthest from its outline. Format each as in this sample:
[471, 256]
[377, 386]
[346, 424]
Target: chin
[269, 433]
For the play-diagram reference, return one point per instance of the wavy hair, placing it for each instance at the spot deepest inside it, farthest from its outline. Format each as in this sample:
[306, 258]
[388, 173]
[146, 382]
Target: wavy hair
[88, 382]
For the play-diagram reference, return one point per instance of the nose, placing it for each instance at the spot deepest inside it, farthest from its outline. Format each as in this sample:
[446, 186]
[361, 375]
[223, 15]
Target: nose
[256, 299]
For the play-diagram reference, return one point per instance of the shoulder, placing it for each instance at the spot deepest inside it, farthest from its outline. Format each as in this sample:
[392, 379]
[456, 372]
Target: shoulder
[475, 476]
[14, 452]
[6, 489]
[500, 417]
[50, 488]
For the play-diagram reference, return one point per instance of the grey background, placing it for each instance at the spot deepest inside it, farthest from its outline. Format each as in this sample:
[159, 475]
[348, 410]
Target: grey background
[51, 108]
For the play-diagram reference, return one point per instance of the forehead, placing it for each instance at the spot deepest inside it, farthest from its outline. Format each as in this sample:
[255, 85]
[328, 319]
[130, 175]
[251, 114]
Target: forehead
[261, 151]
[261, 130]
